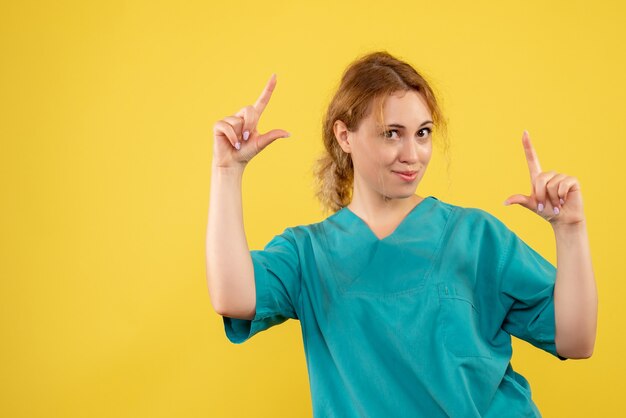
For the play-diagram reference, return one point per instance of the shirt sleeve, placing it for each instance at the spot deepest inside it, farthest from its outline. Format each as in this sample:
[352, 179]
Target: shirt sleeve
[527, 293]
[277, 277]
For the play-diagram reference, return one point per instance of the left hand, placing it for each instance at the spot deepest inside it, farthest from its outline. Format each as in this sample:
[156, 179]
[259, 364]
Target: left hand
[555, 197]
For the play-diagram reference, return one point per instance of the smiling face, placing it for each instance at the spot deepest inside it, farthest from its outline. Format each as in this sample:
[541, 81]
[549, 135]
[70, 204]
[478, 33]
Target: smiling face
[389, 161]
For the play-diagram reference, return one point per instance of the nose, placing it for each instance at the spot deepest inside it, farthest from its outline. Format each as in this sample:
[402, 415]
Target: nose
[408, 152]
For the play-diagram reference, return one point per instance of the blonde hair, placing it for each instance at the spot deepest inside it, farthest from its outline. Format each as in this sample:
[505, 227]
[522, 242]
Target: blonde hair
[364, 86]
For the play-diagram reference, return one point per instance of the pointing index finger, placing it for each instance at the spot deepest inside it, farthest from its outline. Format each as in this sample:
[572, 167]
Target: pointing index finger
[264, 98]
[531, 156]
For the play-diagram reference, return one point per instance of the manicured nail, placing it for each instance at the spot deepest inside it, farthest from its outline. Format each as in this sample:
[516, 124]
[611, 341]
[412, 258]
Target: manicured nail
[556, 211]
[540, 207]
[246, 135]
[238, 145]
[562, 201]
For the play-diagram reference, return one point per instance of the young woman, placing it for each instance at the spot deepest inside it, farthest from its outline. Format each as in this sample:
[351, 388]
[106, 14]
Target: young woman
[407, 303]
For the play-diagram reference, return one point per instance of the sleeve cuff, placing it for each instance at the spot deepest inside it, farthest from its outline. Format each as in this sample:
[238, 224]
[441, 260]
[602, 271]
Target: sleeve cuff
[547, 337]
[241, 330]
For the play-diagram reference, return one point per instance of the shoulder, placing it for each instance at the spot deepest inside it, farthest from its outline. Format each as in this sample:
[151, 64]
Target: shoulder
[476, 220]
[299, 235]
[324, 233]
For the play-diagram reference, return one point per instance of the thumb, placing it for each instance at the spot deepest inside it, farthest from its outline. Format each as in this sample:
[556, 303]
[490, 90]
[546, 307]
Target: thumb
[269, 137]
[519, 199]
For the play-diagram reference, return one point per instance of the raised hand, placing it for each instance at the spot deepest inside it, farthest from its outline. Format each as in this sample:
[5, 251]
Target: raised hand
[555, 197]
[236, 139]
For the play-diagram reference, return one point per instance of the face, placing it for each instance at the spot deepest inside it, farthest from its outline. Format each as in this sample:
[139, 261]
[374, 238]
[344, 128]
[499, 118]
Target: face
[389, 161]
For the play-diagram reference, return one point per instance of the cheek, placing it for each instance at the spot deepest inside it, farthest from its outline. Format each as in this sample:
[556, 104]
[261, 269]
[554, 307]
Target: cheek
[425, 153]
[378, 155]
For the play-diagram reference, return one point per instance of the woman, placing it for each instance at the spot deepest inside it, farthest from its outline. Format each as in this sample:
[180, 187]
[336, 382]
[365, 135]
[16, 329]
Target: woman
[406, 303]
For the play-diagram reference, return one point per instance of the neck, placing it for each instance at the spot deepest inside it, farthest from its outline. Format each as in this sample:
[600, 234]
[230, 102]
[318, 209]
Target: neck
[374, 207]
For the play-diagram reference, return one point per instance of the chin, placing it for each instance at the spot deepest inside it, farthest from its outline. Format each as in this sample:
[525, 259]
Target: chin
[404, 194]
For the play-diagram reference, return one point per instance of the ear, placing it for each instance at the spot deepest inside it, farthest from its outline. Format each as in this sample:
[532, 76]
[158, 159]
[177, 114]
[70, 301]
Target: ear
[342, 135]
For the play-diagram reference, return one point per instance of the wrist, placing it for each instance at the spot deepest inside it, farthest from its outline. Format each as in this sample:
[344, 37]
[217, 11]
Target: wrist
[234, 170]
[570, 229]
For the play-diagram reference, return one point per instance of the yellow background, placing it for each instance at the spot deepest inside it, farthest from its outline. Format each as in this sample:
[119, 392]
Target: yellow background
[106, 119]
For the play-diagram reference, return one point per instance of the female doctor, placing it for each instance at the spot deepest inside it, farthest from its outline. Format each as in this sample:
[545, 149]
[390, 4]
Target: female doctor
[407, 303]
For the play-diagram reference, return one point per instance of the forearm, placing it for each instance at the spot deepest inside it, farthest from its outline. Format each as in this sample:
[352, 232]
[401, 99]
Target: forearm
[575, 293]
[230, 272]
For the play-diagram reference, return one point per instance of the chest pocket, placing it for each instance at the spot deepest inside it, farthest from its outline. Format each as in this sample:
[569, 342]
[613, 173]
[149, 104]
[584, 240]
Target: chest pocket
[459, 319]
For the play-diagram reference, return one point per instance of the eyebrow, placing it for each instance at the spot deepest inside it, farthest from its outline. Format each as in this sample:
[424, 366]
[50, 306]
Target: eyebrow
[397, 125]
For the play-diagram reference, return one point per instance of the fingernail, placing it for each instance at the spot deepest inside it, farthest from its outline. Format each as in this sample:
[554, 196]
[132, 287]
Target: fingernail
[556, 211]
[506, 203]
[246, 135]
[238, 145]
[288, 135]
[562, 201]
[540, 207]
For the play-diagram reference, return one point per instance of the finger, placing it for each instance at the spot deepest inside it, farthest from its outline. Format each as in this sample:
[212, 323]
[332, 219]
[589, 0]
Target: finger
[267, 138]
[520, 199]
[540, 188]
[236, 122]
[264, 98]
[224, 129]
[570, 184]
[531, 157]
[552, 189]
[248, 114]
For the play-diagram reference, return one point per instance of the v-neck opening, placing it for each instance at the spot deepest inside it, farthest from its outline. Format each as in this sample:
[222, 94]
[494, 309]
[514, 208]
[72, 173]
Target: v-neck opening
[415, 209]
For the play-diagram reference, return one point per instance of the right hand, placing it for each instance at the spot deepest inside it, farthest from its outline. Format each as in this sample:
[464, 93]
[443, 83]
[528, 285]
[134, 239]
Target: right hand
[229, 132]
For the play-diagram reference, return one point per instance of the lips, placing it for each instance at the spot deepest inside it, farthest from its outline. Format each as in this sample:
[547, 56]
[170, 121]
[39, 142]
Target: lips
[406, 175]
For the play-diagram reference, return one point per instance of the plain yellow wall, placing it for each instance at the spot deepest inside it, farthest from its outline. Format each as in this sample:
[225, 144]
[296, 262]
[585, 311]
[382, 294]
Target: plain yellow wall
[106, 119]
